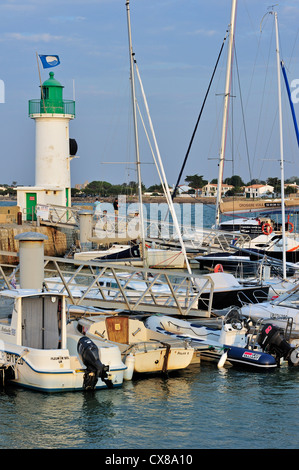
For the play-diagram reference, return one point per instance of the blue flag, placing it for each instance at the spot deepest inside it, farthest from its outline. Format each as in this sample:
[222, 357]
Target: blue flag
[49, 60]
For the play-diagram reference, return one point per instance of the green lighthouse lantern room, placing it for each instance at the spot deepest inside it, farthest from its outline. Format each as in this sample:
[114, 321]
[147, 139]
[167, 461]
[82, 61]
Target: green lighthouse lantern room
[52, 96]
[51, 100]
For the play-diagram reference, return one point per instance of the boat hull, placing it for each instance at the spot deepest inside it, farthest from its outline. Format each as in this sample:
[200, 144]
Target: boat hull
[210, 344]
[131, 256]
[240, 358]
[227, 298]
[51, 370]
[160, 360]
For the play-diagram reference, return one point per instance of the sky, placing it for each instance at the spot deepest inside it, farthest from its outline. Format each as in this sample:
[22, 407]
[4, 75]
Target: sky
[176, 45]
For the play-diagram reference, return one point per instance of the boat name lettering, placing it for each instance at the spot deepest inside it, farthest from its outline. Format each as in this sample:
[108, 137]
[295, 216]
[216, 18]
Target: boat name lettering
[251, 355]
[8, 330]
[59, 358]
[278, 316]
[10, 358]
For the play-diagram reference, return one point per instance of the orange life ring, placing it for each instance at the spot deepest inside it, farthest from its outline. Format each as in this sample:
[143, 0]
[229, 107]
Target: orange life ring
[292, 227]
[267, 229]
[218, 268]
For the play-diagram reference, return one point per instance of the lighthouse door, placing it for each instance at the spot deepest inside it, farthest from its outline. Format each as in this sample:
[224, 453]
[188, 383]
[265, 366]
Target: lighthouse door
[30, 206]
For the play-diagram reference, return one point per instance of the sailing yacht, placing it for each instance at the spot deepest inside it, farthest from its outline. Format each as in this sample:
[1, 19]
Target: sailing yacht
[276, 241]
[141, 254]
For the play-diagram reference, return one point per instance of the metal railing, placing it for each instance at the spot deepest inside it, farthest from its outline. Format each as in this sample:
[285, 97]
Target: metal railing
[39, 106]
[102, 285]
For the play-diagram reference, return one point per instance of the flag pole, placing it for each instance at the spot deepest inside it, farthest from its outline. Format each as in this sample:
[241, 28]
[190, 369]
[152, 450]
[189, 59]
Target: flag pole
[40, 80]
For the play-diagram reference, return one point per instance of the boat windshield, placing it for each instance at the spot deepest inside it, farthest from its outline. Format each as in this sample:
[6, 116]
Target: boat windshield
[288, 300]
[6, 309]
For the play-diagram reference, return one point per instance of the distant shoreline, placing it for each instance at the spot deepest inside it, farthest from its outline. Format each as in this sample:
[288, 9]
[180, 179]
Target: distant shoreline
[160, 199]
[148, 199]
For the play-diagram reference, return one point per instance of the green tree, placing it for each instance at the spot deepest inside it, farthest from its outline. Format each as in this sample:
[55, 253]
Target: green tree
[290, 190]
[276, 183]
[235, 181]
[195, 181]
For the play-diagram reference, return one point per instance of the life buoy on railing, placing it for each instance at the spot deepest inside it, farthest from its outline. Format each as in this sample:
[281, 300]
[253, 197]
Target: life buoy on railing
[290, 224]
[218, 268]
[267, 229]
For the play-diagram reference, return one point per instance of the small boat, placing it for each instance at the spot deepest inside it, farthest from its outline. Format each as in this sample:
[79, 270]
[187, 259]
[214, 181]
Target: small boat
[36, 352]
[143, 349]
[130, 255]
[282, 311]
[231, 262]
[230, 345]
[225, 291]
[247, 260]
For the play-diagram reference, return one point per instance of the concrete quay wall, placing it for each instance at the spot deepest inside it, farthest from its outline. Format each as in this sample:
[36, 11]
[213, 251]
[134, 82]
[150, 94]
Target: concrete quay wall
[56, 245]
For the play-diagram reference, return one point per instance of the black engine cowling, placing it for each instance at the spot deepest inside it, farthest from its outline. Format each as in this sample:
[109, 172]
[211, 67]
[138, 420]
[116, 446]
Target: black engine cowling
[272, 341]
[89, 355]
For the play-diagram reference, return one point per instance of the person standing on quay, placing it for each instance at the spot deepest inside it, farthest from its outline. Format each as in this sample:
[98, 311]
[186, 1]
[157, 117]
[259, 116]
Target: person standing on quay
[96, 209]
[115, 207]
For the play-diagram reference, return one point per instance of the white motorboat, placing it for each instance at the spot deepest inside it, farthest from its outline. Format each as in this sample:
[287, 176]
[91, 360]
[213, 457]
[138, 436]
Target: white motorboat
[141, 348]
[37, 353]
[224, 290]
[282, 311]
[129, 255]
[231, 344]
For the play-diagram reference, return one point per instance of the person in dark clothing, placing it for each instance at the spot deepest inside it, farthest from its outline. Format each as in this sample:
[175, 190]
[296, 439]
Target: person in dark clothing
[115, 206]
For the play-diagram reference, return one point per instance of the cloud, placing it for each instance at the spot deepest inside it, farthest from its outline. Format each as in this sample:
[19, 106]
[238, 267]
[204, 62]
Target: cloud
[30, 37]
[66, 19]
[203, 32]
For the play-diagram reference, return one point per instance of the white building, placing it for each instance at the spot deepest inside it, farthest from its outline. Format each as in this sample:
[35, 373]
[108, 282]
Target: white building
[210, 190]
[258, 190]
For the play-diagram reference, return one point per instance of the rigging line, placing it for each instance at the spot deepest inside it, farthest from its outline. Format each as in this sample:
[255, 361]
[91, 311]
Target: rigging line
[292, 53]
[243, 116]
[198, 119]
[150, 146]
[263, 98]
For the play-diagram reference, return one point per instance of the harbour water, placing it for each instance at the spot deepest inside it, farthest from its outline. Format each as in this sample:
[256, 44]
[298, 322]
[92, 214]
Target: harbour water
[201, 407]
[198, 408]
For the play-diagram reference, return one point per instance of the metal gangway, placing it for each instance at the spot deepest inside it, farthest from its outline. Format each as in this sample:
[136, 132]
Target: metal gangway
[108, 229]
[107, 286]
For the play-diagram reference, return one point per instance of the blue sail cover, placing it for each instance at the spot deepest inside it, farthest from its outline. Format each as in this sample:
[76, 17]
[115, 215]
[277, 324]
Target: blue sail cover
[290, 100]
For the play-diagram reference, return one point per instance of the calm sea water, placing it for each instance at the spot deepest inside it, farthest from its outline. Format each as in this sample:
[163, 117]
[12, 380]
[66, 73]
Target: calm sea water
[200, 407]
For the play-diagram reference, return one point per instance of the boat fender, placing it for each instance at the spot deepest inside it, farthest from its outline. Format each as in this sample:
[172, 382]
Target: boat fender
[130, 363]
[267, 229]
[271, 340]
[222, 360]
[89, 354]
[218, 268]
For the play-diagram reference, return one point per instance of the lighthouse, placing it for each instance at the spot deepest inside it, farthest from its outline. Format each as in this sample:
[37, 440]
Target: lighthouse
[53, 150]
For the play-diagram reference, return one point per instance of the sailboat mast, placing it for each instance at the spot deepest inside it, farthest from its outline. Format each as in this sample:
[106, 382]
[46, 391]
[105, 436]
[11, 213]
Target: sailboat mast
[225, 110]
[163, 178]
[281, 149]
[136, 131]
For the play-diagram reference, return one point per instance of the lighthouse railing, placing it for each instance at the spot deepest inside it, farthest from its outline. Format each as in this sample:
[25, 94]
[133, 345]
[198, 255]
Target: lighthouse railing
[38, 106]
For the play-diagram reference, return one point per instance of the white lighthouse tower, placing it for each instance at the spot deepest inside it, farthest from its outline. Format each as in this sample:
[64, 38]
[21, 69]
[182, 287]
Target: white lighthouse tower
[53, 150]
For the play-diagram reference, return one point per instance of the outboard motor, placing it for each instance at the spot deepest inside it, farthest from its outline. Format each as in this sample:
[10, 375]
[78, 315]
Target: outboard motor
[272, 341]
[89, 355]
